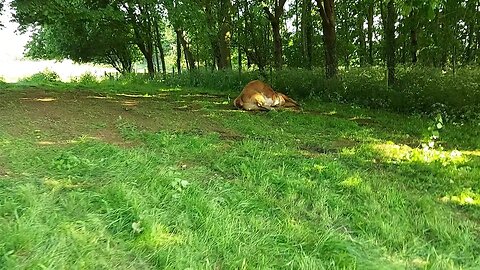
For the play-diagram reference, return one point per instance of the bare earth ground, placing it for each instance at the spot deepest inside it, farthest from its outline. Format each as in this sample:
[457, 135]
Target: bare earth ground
[56, 117]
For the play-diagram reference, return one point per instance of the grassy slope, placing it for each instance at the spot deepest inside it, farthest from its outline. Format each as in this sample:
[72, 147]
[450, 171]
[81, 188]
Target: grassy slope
[198, 185]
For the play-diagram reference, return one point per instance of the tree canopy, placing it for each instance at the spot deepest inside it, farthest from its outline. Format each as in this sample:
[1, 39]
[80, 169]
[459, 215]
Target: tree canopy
[254, 33]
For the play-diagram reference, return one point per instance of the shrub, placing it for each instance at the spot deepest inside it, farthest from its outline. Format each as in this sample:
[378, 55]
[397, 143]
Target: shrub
[86, 79]
[45, 77]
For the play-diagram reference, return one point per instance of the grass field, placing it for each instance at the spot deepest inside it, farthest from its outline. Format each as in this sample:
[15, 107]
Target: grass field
[178, 179]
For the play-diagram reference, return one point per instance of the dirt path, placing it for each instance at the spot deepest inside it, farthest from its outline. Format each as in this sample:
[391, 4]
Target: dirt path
[55, 117]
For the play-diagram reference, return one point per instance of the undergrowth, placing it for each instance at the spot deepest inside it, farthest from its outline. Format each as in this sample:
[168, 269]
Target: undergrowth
[418, 90]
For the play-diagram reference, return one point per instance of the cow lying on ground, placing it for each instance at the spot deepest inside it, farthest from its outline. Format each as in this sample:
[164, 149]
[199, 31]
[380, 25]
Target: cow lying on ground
[259, 96]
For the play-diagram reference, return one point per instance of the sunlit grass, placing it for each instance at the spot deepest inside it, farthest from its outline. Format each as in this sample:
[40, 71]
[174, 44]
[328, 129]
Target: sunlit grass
[466, 197]
[398, 153]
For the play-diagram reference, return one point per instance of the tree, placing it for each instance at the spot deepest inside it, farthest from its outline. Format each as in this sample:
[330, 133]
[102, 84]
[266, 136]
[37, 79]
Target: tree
[274, 19]
[347, 32]
[360, 20]
[83, 32]
[1, 10]
[439, 33]
[307, 33]
[389, 18]
[185, 17]
[90, 30]
[415, 13]
[327, 12]
[370, 14]
[219, 25]
[159, 45]
[256, 44]
[139, 16]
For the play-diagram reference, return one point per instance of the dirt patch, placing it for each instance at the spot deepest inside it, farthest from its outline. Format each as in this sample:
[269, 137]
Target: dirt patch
[189, 107]
[3, 171]
[58, 117]
[343, 143]
[360, 120]
[230, 135]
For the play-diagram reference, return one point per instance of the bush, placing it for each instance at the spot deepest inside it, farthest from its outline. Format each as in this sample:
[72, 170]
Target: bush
[85, 79]
[45, 77]
[223, 80]
[430, 91]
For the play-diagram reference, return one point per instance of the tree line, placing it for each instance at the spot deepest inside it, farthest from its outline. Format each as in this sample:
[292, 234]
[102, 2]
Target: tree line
[259, 34]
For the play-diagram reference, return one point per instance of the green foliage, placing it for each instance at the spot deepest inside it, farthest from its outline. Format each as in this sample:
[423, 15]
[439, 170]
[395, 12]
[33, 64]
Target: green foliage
[455, 96]
[82, 31]
[87, 79]
[417, 90]
[45, 77]
[434, 134]
[224, 79]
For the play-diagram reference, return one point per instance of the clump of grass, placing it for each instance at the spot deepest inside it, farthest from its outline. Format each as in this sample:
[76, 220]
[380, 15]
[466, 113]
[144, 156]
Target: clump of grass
[47, 77]
[86, 80]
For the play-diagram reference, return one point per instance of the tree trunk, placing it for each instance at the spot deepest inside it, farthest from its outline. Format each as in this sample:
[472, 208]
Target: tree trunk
[121, 60]
[370, 33]
[454, 59]
[296, 17]
[307, 33]
[189, 60]
[413, 36]
[277, 45]
[224, 52]
[414, 44]
[147, 51]
[476, 48]
[142, 29]
[219, 32]
[361, 39]
[162, 60]
[274, 19]
[179, 52]
[160, 49]
[389, 19]
[253, 50]
[470, 45]
[239, 47]
[327, 12]
[157, 60]
[150, 64]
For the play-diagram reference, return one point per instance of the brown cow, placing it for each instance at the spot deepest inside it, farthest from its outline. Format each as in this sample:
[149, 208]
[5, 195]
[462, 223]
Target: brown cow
[259, 96]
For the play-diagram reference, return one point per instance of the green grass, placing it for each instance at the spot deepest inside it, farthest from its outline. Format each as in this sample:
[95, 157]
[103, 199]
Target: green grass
[332, 187]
